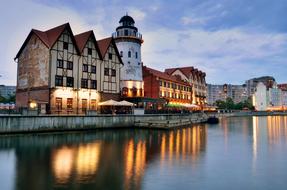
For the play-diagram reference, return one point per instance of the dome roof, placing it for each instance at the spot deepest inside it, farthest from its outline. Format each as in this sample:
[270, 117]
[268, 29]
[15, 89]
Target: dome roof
[127, 19]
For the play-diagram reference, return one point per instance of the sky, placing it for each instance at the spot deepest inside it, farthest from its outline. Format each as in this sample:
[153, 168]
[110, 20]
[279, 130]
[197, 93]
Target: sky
[230, 40]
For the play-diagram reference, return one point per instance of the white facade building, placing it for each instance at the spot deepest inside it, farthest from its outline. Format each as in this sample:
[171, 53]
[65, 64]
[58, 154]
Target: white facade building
[260, 97]
[128, 41]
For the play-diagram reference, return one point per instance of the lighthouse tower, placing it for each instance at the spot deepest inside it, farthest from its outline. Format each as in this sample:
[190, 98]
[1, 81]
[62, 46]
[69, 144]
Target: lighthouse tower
[128, 41]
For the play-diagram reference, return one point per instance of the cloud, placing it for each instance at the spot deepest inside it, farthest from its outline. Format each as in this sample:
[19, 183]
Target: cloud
[29, 15]
[227, 55]
[137, 14]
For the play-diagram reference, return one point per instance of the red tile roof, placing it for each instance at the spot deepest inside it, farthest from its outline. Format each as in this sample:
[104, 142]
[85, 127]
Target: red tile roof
[50, 37]
[104, 46]
[164, 76]
[82, 39]
[185, 70]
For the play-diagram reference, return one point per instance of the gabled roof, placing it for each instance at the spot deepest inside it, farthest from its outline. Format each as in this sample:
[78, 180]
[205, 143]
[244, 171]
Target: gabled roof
[164, 75]
[48, 37]
[185, 70]
[82, 39]
[104, 46]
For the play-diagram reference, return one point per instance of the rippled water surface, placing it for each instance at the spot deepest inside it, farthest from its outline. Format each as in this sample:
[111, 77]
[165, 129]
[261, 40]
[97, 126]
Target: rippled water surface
[239, 153]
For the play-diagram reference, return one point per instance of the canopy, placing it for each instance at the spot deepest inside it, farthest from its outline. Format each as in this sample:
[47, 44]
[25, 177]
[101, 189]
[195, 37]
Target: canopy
[115, 103]
[109, 103]
[126, 103]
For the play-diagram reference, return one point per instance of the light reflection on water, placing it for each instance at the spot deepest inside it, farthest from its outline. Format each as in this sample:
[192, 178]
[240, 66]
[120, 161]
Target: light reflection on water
[242, 151]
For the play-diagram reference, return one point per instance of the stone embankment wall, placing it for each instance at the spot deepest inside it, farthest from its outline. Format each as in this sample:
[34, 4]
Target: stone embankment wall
[18, 124]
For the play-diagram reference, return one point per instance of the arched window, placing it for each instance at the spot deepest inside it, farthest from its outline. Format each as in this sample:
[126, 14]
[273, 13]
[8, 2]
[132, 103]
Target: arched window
[125, 91]
[129, 54]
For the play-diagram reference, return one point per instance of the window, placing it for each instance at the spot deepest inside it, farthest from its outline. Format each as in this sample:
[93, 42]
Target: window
[65, 45]
[70, 104]
[90, 51]
[160, 83]
[84, 83]
[110, 56]
[84, 105]
[59, 80]
[60, 63]
[94, 84]
[93, 104]
[129, 62]
[139, 63]
[59, 104]
[164, 84]
[106, 72]
[121, 53]
[94, 69]
[129, 54]
[125, 91]
[168, 85]
[126, 32]
[136, 55]
[70, 65]
[114, 72]
[70, 81]
[85, 68]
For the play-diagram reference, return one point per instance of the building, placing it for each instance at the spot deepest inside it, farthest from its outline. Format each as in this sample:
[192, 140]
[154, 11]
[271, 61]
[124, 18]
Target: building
[7, 91]
[238, 93]
[259, 98]
[266, 98]
[62, 73]
[195, 78]
[283, 87]
[160, 85]
[251, 84]
[128, 41]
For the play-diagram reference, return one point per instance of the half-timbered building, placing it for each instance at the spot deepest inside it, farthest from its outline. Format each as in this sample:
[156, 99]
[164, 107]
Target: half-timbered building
[62, 73]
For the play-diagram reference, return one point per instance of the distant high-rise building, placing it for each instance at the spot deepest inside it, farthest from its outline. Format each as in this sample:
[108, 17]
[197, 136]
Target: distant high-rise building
[6, 91]
[221, 92]
[251, 84]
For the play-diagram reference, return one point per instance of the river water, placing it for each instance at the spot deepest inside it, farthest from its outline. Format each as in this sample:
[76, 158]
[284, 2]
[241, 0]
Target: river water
[239, 153]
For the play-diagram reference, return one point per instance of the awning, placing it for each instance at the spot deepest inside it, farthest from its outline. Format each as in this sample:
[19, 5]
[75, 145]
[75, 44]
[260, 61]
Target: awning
[115, 103]
[109, 103]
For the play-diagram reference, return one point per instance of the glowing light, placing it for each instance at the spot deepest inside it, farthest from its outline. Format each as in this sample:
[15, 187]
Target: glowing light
[33, 105]
[62, 164]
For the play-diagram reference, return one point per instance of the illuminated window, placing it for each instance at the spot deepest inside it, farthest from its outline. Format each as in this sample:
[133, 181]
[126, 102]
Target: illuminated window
[93, 104]
[125, 91]
[84, 105]
[135, 91]
[70, 103]
[59, 104]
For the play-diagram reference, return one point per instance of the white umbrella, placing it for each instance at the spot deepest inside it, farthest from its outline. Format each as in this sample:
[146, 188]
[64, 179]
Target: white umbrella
[109, 103]
[126, 103]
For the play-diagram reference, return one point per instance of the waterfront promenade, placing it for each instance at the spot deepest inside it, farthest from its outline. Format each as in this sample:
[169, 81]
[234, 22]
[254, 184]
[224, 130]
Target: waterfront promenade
[51, 123]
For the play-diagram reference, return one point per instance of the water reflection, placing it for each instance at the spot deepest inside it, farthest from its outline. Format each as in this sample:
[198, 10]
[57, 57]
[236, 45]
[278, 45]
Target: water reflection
[121, 159]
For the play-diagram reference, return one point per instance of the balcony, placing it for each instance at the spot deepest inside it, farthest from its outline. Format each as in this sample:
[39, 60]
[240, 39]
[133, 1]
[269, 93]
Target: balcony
[135, 35]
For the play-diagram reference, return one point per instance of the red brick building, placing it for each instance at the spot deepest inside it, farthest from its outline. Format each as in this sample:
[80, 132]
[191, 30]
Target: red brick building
[172, 88]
